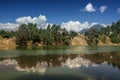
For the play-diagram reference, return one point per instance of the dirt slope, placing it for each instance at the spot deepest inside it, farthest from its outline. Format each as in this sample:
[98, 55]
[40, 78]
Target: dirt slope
[7, 44]
[79, 41]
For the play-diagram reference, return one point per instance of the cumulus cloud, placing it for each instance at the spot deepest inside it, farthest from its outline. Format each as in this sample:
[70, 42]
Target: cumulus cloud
[9, 26]
[118, 11]
[75, 26]
[103, 8]
[40, 20]
[89, 8]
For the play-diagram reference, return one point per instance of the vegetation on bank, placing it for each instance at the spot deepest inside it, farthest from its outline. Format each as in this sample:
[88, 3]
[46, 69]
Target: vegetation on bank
[54, 35]
[111, 31]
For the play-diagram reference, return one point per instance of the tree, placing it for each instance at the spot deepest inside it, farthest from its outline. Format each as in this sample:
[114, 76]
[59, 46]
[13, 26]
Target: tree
[65, 37]
[33, 34]
[92, 36]
[26, 33]
[7, 34]
[73, 34]
[22, 36]
[47, 37]
[56, 34]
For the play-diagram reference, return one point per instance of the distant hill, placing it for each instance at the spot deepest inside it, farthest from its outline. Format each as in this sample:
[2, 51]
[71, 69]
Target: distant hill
[97, 26]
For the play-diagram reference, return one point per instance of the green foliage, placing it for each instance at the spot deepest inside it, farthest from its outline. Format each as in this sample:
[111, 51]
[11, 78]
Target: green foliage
[53, 35]
[66, 41]
[46, 37]
[92, 37]
[112, 31]
[73, 34]
[27, 33]
[115, 39]
[33, 34]
[7, 34]
[22, 36]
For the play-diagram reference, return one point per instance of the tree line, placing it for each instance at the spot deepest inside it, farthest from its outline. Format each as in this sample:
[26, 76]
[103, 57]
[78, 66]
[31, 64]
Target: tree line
[112, 31]
[54, 35]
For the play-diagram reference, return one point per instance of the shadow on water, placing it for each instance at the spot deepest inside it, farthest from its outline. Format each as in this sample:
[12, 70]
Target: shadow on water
[49, 77]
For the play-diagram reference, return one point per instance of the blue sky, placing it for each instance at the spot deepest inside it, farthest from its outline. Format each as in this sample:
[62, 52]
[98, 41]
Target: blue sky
[70, 14]
[58, 11]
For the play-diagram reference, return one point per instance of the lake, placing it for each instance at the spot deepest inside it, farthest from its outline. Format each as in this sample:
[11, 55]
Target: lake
[61, 63]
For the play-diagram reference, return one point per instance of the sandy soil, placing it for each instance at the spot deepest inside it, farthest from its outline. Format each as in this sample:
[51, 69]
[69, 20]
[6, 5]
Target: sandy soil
[79, 41]
[7, 44]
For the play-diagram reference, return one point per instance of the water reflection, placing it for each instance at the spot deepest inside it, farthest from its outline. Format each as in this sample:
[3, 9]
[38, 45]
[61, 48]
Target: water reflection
[31, 63]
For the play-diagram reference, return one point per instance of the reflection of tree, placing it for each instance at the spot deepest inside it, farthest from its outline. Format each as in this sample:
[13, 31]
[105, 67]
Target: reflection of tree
[30, 61]
[27, 61]
[111, 58]
[2, 58]
[51, 60]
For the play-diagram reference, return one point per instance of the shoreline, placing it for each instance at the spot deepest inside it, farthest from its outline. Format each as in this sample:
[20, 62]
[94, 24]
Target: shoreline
[10, 44]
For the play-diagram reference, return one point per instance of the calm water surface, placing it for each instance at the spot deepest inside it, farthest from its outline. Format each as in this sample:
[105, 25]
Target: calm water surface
[63, 63]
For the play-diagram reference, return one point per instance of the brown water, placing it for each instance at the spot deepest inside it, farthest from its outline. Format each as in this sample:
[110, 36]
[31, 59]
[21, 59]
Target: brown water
[70, 63]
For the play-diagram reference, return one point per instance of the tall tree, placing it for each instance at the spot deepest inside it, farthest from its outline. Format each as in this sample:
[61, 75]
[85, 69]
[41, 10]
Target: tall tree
[22, 37]
[92, 37]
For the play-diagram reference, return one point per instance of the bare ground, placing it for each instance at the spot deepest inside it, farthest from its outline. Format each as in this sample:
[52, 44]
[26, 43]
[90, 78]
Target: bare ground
[7, 44]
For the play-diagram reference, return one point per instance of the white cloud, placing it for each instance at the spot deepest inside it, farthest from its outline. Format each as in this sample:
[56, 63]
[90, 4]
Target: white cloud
[118, 10]
[9, 26]
[103, 8]
[75, 26]
[89, 8]
[40, 20]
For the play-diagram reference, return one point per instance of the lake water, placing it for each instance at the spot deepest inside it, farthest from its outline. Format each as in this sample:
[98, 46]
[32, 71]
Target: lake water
[61, 63]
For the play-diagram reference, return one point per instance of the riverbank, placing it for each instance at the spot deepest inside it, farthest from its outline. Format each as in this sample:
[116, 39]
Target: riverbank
[81, 41]
[10, 44]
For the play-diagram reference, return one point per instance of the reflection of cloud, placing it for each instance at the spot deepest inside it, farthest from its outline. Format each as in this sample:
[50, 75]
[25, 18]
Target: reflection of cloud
[40, 68]
[8, 62]
[77, 62]
[71, 61]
